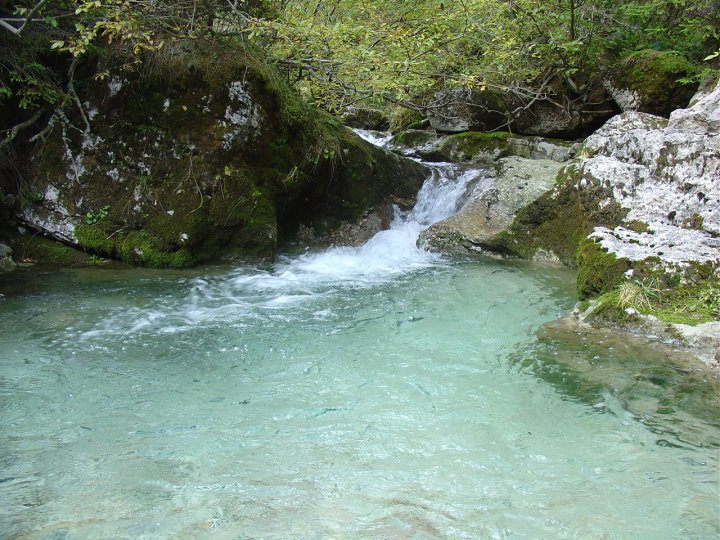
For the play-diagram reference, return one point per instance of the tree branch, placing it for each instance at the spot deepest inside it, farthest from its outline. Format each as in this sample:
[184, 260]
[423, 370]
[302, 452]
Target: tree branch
[19, 127]
[28, 18]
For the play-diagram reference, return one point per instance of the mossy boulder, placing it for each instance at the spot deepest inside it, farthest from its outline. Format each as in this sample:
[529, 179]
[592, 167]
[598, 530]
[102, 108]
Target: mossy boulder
[204, 152]
[479, 147]
[364, 118]
[653, 82]
[641, 201]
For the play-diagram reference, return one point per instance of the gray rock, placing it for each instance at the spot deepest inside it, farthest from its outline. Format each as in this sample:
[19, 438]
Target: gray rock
[483, 148]
[460, 109]
[703, 116]
[515, 183]
[6, 260]
[361, 118]
[548, 119]
[707, 85]
[668, 176]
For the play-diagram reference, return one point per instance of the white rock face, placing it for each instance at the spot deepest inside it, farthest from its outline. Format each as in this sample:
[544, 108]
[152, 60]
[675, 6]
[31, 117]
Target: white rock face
[667, 175]
[243, 115]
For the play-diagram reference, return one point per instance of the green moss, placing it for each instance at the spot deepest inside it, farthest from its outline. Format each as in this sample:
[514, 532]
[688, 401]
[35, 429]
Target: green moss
[598, 271]
[691, 303]
[142, 249]
[693, 221]
[402, 119]
[91, 238]
[476, 145]
[654, 75]
[637, 226]
[43, 250]
[413, 138]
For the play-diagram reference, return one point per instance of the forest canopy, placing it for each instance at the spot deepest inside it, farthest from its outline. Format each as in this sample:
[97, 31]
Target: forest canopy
[340, 52]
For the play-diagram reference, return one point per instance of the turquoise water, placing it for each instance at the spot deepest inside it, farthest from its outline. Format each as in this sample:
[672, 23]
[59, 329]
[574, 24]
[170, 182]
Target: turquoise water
[236, 403]
[371, 392]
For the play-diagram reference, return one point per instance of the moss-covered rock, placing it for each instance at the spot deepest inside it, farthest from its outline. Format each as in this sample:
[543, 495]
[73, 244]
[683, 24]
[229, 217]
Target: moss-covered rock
[649, 81]
[598, 270]
[363, 118]
[203, 153]
[483, 148]
[638, 204]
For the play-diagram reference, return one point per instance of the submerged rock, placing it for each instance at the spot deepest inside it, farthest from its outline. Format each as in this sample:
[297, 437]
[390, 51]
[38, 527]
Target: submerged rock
[649, 369]
[206, 153]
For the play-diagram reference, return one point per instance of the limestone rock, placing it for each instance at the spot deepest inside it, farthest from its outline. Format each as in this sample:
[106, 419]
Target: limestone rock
[643, 195]
[515, 183]
[703, 116]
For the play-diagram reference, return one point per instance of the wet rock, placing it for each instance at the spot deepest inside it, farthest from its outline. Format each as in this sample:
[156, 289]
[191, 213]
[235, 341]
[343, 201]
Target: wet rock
[514, 183]
[649, 368]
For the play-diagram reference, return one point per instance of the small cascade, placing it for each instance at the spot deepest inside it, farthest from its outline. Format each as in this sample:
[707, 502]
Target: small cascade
[249, 292]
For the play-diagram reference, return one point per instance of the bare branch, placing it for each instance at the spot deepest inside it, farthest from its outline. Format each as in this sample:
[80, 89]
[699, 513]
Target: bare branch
[19, 127]
[26, 21]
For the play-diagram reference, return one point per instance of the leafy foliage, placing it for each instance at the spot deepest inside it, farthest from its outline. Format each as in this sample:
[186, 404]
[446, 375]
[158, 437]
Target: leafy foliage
[338, 52]
[341, 51]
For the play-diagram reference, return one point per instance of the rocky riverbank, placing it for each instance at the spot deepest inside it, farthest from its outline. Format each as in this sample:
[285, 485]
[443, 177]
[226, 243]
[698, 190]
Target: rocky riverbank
[635, 208]
[202, 154]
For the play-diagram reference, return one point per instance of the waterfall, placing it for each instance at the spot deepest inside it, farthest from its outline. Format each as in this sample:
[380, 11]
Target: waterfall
[249, 292]
[387, 253]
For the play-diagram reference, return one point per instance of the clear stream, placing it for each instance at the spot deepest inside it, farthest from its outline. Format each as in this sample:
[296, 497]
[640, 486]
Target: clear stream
[372, 392]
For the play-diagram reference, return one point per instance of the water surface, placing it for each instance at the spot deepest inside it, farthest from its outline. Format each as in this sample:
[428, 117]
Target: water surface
[372, 392]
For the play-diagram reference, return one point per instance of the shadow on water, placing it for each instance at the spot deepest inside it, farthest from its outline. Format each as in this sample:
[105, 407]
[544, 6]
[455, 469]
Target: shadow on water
[670, 392]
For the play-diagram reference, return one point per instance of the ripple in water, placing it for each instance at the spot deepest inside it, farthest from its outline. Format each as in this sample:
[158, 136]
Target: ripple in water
[372, 392]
